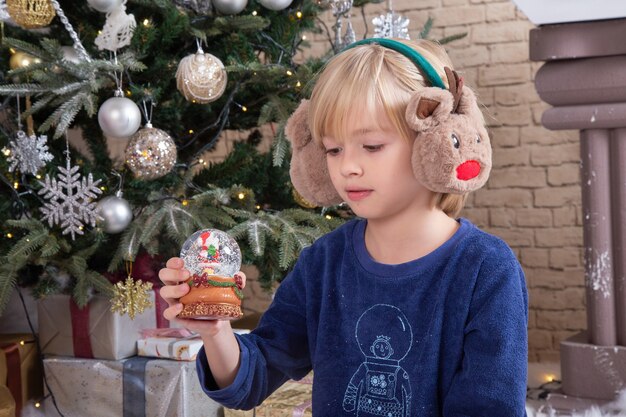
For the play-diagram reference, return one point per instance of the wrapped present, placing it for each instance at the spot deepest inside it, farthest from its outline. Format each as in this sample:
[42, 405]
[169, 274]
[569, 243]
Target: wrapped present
[7, 403]
[20, 369]
[180, 349]
[93, 331]
[293, 399]
[13, 318]
[130, 388]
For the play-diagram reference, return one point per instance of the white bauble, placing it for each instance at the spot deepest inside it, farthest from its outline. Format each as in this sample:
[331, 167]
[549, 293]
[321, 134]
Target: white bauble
[275, 4]
[104, 6]
[230, 6]
[115, 213]
[70, 54]
[119, 117]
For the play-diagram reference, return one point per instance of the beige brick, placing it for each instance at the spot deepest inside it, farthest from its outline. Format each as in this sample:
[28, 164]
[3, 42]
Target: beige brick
[501, 32]
[539, 134]
[548, 299]
[555, 238]
[557, 196]
[484, 96]
[508, 53]
[525, 177]
[547, 356]
[556, 278]
[555, 155]
[512, 116]
[469, 57]
[478, 216]
[503, 198]
[462, 15]
[537, 110]
[501, 217]
[531, 319]
[514, 237]
[562, 258]
[486, 1]
[534, 258]
[574, 320]
[539, 339]
[510, 157]
[565, 216]
[504, 136]
[455, 2]
[503, 74]
[534, 217]
[411, 5]
[564, 174]
[511, 95]
[498, 12]
[561, 335]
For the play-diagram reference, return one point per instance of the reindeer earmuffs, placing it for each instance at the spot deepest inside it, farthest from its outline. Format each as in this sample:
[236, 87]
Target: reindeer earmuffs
[451, 151]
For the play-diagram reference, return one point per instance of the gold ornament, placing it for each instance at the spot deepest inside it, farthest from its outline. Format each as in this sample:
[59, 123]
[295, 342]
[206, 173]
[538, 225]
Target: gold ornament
[31, 14]
[301, 200]
[151, 153]
[131, 297]
[22, 60]
[201, 77]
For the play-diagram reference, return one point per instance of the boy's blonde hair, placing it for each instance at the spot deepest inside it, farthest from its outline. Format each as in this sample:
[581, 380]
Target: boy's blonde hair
[364, 80]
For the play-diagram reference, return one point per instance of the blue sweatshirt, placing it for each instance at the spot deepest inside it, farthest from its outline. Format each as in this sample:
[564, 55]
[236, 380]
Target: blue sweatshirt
[443, 335]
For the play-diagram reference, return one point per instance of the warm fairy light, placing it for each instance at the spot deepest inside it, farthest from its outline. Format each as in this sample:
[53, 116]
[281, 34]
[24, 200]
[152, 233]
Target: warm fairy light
[241, 196]
[16, 185]
[201, 161]
[299, 14]
[244, 108]
[10, 235]
[38, 176]
[304, 37]
[191, 131]
[37, 404]
[12, 50]
[146, 22]
[328, 216]
[22, 342]
[129, 93]
[258, 207]
[549, 377]
[103, 188]
[254, 13]
[99, 32]
[289, 73]
[298, 84]
[81, 227]
[193, 101]
[6, 151]
[185, 203]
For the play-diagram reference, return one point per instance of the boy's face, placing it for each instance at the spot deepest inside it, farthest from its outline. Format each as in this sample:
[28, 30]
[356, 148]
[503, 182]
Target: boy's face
[371, 170]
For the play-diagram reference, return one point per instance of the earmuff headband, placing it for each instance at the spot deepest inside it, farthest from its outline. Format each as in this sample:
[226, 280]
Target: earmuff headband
[419, 61]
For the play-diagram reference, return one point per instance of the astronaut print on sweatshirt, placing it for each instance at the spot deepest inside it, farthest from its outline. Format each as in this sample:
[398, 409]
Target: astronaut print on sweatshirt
[380, 386]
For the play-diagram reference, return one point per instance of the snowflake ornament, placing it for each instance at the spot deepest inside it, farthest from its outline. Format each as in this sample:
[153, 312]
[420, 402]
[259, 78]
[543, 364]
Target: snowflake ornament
[27, 153]
[131, 297]
[70, 200]
[391, 25]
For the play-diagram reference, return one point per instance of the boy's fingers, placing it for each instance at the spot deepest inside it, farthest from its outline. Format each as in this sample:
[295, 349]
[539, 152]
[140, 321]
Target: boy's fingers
[240, 279]
[171, 293]
[175, 263]
[172, 311]
[173, 276]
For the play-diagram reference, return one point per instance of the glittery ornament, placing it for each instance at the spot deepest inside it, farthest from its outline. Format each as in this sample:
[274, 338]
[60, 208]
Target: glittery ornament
[391, 25]
[104, 6]
[131, 297]
[230, 6]
[151, 153]
[70, 54]
[70, 201]
[202, 7]
[119, 116]
[201, 77]
[114, 212]
[301, 200]
[31, 14]
[27, 153]
[22, 60]
[213, 252]
[275, 4]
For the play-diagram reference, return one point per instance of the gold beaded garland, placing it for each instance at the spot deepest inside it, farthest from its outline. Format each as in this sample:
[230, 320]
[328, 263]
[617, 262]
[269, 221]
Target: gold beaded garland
[31, 14]
[201, 77]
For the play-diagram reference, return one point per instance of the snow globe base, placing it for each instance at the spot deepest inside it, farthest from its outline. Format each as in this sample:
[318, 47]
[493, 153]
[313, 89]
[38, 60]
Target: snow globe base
[205, 311]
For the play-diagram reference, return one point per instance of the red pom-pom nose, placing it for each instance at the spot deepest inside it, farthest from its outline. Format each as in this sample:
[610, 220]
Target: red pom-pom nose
[468, 170]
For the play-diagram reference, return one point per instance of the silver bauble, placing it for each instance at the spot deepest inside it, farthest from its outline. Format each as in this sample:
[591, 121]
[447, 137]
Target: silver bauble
[275, 4]
[115, 213]
[201, 77]
[70, 54]
[230, 6]
[151, 153]
[104, 6]
[119, 117]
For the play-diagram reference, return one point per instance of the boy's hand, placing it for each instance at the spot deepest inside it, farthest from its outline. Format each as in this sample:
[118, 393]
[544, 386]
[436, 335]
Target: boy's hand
[175, 278]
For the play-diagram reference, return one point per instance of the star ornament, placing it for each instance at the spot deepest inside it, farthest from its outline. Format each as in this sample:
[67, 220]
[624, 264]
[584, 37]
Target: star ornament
[70, 200]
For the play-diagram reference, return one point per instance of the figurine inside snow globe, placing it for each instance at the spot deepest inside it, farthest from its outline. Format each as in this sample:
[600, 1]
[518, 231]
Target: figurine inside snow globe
[213, 258]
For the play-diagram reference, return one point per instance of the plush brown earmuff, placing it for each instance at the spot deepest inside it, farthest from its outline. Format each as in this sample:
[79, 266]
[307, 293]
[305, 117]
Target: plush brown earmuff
[451, 152]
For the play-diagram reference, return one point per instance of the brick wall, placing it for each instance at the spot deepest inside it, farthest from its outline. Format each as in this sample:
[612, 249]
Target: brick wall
[532, 199]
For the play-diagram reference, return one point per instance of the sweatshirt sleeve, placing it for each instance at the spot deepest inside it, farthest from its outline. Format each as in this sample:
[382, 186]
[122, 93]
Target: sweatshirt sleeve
[276, 351]
[491, 380]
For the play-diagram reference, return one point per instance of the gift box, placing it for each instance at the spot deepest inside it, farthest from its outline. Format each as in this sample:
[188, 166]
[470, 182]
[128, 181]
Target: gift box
[293, 399]
[20, 370]
[13, 318]
[93, 331]
[7, 403]
[127, 388]
[180, 349]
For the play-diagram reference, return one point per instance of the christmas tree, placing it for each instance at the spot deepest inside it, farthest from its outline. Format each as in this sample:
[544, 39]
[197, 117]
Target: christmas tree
[186, 71]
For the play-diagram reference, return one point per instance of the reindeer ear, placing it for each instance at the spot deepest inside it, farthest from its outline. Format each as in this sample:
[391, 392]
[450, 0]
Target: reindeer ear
[308, 171]
[428, 107]
[468, 105]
